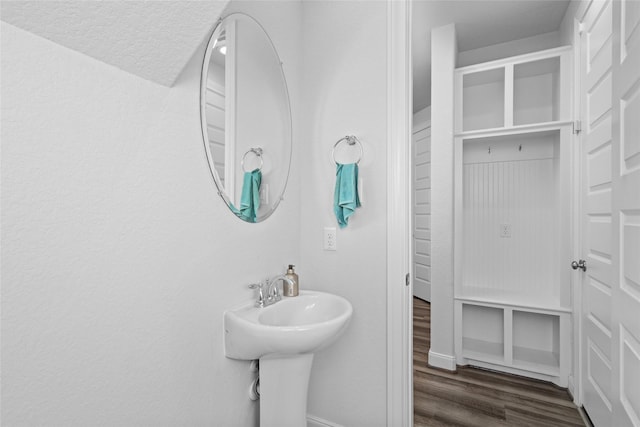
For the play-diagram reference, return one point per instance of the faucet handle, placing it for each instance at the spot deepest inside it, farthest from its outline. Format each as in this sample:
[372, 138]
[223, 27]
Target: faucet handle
[260, 288]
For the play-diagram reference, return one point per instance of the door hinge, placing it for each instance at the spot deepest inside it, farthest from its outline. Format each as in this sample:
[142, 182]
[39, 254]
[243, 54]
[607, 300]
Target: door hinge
[577, 127]
[407, 279]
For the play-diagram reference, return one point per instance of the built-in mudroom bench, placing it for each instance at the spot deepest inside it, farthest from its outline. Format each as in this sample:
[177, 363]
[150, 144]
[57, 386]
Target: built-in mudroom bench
[512, 181]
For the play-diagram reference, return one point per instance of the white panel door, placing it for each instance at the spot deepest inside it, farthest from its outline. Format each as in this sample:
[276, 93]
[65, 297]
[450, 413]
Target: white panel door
[626, 208]
[421, 167]
[610, 342]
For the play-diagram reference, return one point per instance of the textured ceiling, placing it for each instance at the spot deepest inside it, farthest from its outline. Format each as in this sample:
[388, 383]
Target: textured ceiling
[152, 39]
[479, 23]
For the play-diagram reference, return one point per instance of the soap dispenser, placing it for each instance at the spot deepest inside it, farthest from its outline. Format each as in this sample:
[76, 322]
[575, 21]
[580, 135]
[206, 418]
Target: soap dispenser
[290, 290]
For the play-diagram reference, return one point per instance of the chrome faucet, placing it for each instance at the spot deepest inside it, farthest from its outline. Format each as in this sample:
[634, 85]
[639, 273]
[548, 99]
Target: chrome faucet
[268, 291]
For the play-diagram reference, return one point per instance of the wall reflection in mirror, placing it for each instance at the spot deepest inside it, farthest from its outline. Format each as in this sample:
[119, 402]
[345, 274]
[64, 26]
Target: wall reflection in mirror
[246, 117]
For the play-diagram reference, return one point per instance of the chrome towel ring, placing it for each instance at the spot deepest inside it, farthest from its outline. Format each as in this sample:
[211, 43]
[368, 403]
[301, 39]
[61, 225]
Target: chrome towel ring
[351, 140]
[258, 152]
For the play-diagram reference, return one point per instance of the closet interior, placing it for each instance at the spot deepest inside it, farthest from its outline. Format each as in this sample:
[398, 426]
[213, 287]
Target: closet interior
[512, 295]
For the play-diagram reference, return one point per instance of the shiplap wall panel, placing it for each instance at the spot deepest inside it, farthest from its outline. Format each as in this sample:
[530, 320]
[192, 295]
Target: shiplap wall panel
[217, 151]
[422, 212]
[215, 114]
[521, 195]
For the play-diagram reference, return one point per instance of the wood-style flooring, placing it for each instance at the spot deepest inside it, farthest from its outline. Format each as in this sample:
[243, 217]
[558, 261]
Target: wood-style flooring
[480, 398]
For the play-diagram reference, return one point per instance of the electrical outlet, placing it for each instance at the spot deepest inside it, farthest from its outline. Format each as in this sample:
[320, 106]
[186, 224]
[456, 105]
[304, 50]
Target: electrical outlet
[505, 230]
[330, 243]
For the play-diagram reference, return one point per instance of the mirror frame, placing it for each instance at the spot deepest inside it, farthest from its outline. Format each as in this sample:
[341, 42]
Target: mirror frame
[203, 120]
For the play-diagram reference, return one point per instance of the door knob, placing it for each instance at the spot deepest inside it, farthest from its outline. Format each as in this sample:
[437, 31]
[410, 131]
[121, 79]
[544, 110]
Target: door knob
[582, 264]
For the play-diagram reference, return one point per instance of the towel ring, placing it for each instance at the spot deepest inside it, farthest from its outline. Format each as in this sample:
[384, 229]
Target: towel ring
[351, 140]
[258, 152]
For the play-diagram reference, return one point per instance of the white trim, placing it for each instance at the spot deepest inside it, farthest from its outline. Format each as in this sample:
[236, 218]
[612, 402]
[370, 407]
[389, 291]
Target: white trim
[486, 302]
[578, 395]
[418, 126]
[399, 296]
[499, 367]
[514, 130]
[230, 129]
[515, 60]
[575, 378]
[313, 421]
[571, 388]
[442, 361]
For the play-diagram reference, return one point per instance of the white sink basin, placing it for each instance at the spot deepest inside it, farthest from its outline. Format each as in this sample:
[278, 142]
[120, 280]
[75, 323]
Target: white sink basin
[295, 325]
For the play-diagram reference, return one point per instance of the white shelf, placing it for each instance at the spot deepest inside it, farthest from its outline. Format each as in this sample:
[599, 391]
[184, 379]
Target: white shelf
[514, 130]
[514, 301]
[514, 60]
[545, 362]
[486, 351]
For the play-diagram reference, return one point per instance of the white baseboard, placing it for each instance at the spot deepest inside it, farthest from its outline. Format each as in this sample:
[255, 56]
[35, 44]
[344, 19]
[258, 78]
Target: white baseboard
[442, 361]
[313, 421]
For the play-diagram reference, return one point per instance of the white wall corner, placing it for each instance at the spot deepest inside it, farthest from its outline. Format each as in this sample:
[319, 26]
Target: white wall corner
[442, 361]
[444, 52]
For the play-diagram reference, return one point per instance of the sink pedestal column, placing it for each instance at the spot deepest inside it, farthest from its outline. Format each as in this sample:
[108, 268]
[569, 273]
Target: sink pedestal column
[284, 386]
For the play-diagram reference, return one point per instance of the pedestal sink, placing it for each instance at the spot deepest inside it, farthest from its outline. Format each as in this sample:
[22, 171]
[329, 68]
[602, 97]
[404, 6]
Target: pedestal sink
[284, 336]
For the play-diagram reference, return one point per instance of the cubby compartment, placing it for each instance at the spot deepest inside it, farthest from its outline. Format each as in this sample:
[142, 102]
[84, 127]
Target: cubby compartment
[483, 100]
[536, 341]
[536, 92]
[526, 90]
[518, 340]
[483, 333]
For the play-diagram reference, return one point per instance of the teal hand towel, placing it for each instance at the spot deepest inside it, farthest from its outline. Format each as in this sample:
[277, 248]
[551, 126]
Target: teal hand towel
[345, 197]
[250, 197]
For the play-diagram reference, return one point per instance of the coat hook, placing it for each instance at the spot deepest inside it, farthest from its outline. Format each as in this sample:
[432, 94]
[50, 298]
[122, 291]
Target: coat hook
[520, 147]
[489, 149]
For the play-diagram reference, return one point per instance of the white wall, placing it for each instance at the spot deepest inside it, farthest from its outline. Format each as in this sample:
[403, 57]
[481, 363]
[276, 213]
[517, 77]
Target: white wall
[510, 48]
[344, 76]
[443, 62]
[565, 32]
[118, 256]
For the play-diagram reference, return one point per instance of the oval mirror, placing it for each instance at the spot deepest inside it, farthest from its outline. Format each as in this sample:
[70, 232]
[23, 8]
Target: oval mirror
[246, 117]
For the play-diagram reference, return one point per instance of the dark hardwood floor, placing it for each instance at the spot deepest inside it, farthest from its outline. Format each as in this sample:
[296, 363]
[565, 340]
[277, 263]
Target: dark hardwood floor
[480, 398]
